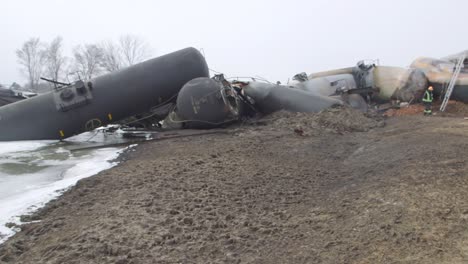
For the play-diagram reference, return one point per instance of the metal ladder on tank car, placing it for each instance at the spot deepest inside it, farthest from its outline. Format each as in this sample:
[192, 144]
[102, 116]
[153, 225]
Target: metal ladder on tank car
[459, 65]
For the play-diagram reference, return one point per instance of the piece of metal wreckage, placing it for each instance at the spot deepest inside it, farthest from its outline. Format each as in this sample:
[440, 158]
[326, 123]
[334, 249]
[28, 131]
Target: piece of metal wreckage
[86, 105]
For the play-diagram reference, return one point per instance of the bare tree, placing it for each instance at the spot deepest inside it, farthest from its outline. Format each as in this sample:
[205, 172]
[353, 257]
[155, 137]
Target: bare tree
[127, 51]
[31, 56]
[134, 49]
[55, 61]
[112, 56]
[88, 60]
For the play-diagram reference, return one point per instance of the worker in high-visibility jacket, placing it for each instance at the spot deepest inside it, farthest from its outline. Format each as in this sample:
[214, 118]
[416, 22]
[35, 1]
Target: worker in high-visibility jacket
[427, 101]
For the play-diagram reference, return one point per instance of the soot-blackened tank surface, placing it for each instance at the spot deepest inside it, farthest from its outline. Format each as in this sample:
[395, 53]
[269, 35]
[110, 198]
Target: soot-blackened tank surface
[102, 100]
[201, 104]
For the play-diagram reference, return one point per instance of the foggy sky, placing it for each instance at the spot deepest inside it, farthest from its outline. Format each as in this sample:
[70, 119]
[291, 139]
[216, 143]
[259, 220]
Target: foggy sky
[269, 38]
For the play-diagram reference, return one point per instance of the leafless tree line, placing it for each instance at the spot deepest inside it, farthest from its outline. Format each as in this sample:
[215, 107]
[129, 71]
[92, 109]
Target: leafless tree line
[41, 59]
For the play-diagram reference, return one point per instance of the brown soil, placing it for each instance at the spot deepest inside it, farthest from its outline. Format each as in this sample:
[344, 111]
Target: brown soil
[415, 109]
[294, 188]
[454, 109]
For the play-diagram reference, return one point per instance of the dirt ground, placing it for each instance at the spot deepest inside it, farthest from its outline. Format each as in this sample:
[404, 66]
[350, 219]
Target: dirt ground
[454, 109]
[334, 187]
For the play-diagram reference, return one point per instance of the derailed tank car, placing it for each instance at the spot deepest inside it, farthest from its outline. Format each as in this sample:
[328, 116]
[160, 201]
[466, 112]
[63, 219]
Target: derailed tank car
[86, 105]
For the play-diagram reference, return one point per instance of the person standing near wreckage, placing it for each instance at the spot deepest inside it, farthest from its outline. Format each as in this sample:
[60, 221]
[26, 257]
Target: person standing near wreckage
[427, 101]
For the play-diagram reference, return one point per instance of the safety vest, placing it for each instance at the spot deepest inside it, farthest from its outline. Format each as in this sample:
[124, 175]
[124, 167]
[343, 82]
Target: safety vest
[428, 97]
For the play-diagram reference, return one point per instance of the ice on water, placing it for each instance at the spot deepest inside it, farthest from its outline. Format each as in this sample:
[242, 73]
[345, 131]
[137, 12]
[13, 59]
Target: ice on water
[34, 172]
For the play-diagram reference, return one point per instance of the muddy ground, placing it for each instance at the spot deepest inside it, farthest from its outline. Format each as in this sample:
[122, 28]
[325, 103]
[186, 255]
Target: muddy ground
[334, 187]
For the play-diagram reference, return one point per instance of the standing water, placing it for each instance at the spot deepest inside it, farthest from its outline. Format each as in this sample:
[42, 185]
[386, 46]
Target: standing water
[35, 172]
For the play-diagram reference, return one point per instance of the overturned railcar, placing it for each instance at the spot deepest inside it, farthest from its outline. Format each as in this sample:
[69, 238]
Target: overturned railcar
[86, 105]
[439, 73]
[379, 83]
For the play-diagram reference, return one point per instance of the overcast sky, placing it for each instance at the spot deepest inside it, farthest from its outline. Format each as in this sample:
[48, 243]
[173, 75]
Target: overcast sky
[270, 38]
